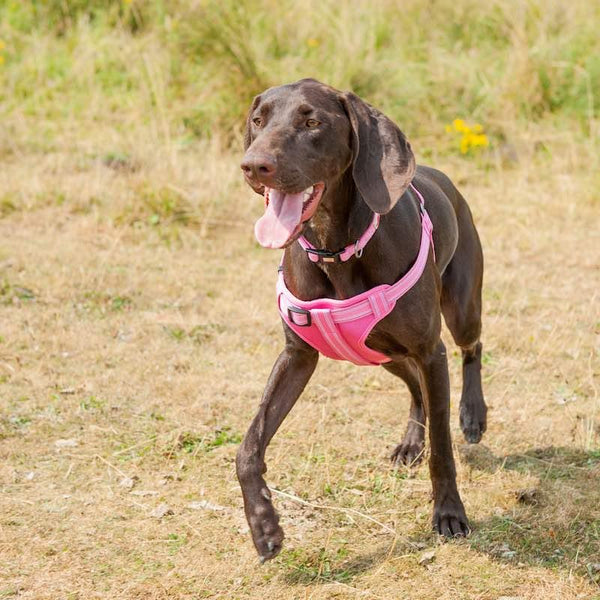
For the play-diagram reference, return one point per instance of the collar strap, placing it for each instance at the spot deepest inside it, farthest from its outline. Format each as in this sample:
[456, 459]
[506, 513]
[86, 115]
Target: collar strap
[355, 249]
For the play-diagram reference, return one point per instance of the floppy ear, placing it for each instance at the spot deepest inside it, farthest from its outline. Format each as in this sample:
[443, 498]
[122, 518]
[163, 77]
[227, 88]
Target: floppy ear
[247, 132]
[383, 163]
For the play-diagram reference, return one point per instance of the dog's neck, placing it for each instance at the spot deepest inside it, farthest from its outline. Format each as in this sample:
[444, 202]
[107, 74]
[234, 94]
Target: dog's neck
[342, 216]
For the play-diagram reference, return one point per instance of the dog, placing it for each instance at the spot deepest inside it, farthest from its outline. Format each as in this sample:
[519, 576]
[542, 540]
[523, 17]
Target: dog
[376, 249]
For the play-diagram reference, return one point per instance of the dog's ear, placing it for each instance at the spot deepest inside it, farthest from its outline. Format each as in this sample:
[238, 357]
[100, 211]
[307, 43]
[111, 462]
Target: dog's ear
[248, 130]
[383, 163]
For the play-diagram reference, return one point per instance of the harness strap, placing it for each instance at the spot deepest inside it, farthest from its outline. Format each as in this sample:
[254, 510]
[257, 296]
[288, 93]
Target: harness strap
[323, 319]
[391, 294]
[373, 305]
[402, 286]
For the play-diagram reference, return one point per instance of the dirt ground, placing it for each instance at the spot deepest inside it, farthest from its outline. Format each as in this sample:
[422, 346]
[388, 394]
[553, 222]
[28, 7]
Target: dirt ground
[137, 329]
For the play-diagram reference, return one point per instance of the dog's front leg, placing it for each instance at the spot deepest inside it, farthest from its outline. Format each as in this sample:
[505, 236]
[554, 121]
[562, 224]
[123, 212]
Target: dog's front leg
[449, 516]
[289, 376]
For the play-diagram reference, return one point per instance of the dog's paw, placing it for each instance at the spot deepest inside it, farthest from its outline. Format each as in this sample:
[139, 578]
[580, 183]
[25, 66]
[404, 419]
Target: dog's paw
[270, 545]
[409, 452]
[450, 520]
[473, 421]
[267, 535]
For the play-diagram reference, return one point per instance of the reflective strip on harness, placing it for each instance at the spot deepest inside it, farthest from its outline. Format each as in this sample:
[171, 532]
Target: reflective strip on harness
[330, 332]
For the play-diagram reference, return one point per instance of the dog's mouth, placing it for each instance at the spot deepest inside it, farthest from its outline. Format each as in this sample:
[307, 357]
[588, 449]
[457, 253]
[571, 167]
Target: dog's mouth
[286, 214]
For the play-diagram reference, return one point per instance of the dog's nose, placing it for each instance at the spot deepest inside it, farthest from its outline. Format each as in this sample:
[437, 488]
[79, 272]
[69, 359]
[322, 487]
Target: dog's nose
[259, 166]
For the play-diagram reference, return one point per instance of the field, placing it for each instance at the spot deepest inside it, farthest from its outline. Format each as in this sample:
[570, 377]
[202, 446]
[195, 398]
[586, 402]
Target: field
[138, 323]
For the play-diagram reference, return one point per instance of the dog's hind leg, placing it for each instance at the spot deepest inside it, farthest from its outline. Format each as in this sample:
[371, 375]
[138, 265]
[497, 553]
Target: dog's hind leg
[461, 307]
[410, 449]
[449, 517]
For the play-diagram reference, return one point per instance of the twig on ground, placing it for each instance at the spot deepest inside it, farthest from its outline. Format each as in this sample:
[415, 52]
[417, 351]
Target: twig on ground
[111, 465]
[336, 508]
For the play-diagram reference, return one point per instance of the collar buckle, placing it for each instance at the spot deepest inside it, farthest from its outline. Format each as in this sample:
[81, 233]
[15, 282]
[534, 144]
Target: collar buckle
[353, 249]
[325, 256]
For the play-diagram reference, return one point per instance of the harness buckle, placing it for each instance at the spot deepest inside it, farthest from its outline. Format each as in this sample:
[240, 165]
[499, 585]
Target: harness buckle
[299, 311]
[325, 255]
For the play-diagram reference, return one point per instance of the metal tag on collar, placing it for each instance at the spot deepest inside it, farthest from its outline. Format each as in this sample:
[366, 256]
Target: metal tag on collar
[358, 252]
[325, 255]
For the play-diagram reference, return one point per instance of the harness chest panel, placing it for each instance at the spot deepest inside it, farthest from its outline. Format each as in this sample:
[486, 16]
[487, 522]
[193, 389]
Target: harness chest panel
[338, 328]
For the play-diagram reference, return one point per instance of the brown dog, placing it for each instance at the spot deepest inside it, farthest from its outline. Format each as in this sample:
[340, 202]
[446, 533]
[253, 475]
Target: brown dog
[351, 161]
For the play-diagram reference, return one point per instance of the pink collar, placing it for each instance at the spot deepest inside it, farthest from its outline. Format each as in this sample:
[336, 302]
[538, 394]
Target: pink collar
[355, 249]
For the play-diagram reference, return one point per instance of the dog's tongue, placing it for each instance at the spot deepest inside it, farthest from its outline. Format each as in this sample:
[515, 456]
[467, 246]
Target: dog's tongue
[282, 217]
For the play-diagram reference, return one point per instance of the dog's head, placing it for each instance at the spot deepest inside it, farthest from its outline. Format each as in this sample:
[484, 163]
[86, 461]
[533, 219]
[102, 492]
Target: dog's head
[301, 138]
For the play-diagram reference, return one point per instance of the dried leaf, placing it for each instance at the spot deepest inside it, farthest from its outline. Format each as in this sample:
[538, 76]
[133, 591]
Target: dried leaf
[527, 496]
[162, 510]
[427, 557]
[129, 482]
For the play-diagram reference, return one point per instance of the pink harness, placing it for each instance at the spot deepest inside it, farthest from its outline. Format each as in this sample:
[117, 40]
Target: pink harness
[338, 328]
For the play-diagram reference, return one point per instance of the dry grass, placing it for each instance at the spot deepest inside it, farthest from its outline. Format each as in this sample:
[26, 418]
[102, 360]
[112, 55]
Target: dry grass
[138, 326]
[148, 342]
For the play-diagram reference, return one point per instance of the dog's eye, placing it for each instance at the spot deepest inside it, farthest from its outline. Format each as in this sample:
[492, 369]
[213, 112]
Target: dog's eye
[312, 123]
[257, 121]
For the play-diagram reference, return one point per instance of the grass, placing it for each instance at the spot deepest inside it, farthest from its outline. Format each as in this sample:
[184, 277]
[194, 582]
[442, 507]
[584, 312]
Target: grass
[137, 323]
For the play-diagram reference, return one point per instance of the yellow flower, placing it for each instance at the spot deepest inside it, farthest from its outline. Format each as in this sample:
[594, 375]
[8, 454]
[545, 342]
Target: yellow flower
[459, 125]
[470, 136]
[480, 140]
[2, 45]
[313, 42]
[1, 59]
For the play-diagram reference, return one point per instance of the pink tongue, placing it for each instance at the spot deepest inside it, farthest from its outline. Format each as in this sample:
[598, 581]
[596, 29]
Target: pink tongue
[280, 220]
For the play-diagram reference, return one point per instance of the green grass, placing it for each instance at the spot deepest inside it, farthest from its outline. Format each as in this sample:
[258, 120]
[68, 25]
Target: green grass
[423, 64]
